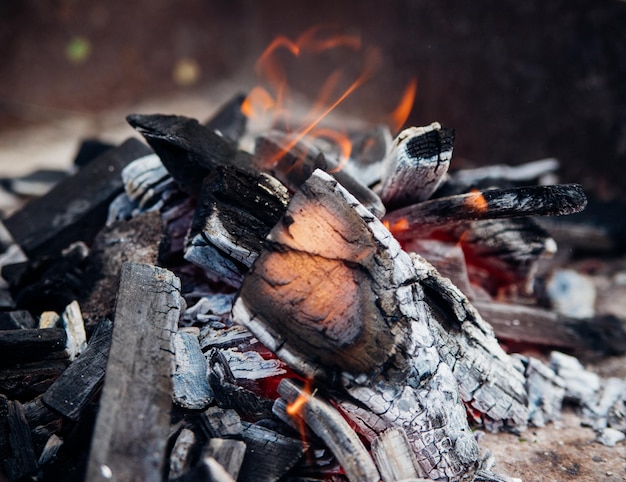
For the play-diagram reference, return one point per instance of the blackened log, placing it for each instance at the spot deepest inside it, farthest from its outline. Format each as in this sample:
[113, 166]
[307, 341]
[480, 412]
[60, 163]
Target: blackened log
[76, 208]
[73, 390]
[89, 150]
[15, 320]
[190, 378]
[229, 120]
[416, 165]
[22, 461]
[130, 436]
[5, 448]
[230, 395]
[189, 150]
[24, 345]
[333, 429]
[227, 452]
[31, 379]
[555, 200]
[294, 162]
[269, 455]
[220, 423]
[394, 456]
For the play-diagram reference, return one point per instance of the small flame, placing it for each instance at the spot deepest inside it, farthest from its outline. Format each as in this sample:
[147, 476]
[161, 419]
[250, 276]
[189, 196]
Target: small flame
[401, 113]
[294, 409]
[399, 226]
[476, 201]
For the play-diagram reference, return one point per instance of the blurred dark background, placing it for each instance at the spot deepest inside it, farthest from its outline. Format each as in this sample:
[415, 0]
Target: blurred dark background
[518, 80]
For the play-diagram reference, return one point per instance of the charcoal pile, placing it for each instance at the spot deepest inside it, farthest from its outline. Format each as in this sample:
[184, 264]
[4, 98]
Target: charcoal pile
[218, 304]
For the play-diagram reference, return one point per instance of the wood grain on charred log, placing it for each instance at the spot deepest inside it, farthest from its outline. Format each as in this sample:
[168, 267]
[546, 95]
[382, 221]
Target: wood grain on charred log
[22, 462]
[133, 420]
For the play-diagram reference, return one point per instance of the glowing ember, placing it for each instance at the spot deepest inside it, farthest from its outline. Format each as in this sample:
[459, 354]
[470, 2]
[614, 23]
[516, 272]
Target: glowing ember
[476, 201]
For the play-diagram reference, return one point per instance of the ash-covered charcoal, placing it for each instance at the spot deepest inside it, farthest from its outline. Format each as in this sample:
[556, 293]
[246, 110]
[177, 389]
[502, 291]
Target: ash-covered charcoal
[210, 308]
[224, 337]
[189, 150]
[490, 382]
[335, 297]
[182, 453]
[235, 212]
[294, 161]
[416, 165]
[191, 385]
[418, 219]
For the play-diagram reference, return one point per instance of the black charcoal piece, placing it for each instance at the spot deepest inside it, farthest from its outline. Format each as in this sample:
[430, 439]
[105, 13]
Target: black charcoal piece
[227, 452]
[13, 320]
[76, 208]
[27, 345]
[129, 441]
[188, 150]
[28, 380]
[229, 120]
[35, 184]
[217, 422]
[22, 461]
[73, 390]
[89, 150]
[269, 455]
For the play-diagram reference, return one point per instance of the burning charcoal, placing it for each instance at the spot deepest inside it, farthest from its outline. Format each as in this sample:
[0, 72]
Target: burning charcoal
[571, 293]
[22, 461]
[488, 204]
[228, 453]
[229, 120]
[326, 422]
[14, 320]
[293, 162]
[368, 153]
[191, 386]
[269, 455]
[70, 212]
[230, 395]
[188, 150]
[394, 456]
[73, 390]
[546, 391]
[130, 435]
[416, 165]
[335, 297]
[236, 211]
[27, 345]
[181, 453]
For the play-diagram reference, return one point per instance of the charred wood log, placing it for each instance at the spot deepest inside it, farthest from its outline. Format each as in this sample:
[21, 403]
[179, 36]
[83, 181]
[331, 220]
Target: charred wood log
[394, 456]
[488, 204]
[181, 454]
[138, 378]
[69, 212]
[73, 390]
[28, 345]
[191, 385]
[335, 297]
[28, 380]
[217, 422]
[229, 120]
[416, 165]
[189, 150]
[22, 461]
[226, 452]
[369, 150]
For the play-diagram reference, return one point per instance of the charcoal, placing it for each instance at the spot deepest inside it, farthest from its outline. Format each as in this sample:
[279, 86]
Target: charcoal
[14, 320]
[69, 212]
[250, 365]
[571, 294]
[5, 448]
[180, 456]
[35, 184]
[90, 149]
[74, 327]
[546, 391]
[33, 344]
[22, 461]
[331, 427]
[73, 390]
[416, 165]
[495, 174]
[188, 150]
[269, 455]
[229, 120]
[581, 386]
[26, 381]
[214, 307]
[369, 149]
[50, 450]
[227, 452]
[191, 385]
[223, 337]
[138, 378]
[487, 204]
[393, 455]
[220, 423]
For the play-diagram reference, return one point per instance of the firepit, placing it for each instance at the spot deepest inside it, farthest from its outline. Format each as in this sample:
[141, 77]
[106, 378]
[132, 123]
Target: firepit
[299, 302]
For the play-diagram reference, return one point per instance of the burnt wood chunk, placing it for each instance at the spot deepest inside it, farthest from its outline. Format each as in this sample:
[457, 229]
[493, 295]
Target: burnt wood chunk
[227, 452]
[393, 455]
[73, 390]
[229, 120]
[217, 423]
[555, 200]
[5, 448]
[328, 424]
[15, 320]
[369, 150]
[191, 385]
[180, 457]
[132, 426]
[188, 150]
[76, 208]
[22, 461]
[416, 165]
[28, 380]
[269, 455]
[24, 345]
[235, 213]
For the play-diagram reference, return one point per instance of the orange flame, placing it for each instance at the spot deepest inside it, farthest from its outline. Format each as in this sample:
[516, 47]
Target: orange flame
[476, 201]
[294, 409]
[401, 113]
[399, 226]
